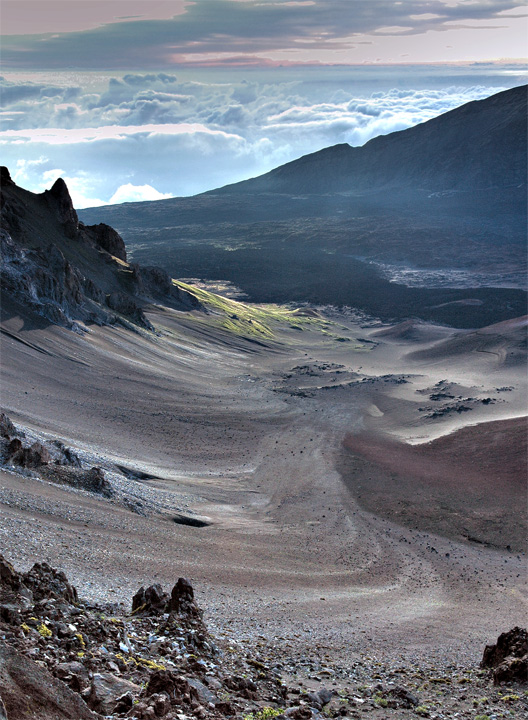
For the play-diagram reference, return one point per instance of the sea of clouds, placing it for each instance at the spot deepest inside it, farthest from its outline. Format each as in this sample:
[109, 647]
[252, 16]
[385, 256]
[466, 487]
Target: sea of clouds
[157, 135]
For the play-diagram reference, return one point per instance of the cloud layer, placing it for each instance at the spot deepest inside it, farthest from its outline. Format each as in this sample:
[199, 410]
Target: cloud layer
[153, 135]
[241, 31]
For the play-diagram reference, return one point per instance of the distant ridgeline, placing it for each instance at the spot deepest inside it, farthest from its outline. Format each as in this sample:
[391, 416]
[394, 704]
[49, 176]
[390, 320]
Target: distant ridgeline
[68, 272]
[447, 196]
[478, 146]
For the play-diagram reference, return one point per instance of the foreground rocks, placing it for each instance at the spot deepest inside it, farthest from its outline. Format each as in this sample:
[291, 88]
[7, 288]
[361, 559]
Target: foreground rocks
[63, 659]
[508, 658]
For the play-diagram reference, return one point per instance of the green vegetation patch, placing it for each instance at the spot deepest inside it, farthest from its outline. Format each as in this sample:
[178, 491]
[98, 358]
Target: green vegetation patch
[253, 320]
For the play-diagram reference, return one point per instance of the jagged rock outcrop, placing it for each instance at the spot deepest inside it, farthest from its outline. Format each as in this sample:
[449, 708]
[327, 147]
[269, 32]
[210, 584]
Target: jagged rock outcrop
[508, 657]
[182, 600]
[48, 283]
[45, 582]
[150, 601]
[9, 578]
[71, 273]
[50, 460]
[28, 457]
[157, 283]
[5, 176]
[105, 237]
[20, 592]
[127, 306]
[61, 203]
[7, 428]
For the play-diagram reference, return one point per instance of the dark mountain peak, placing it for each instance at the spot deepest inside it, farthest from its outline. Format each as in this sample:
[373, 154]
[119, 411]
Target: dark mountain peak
[60, 199]
[60, 190]
[5, 176]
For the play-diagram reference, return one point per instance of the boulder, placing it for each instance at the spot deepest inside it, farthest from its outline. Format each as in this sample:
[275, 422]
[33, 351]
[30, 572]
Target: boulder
[205, 696]
[302, 712]
[152, 601]
[245, 687]
[174, 685]
[74, 674]
[320, 698]
[400, 697]
[46, 582]
[30, 691]
[27, 457]
[107, 690]
[508, 657]
[182, 599]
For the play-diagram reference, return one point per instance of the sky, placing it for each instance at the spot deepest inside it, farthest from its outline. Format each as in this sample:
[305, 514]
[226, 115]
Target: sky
[145, 99]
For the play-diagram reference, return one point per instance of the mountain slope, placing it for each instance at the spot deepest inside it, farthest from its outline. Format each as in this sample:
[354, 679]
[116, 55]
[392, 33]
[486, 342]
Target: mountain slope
[479, 145]
[406, 226]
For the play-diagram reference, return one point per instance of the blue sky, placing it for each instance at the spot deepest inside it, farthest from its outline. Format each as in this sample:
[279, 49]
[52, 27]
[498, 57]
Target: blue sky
[135, 99]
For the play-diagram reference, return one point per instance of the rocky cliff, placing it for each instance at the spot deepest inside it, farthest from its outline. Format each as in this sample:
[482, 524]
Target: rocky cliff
[71, 273]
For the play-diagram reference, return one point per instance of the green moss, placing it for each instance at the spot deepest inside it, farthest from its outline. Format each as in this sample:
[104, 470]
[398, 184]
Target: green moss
[422, 710]
[512, 697]
[44, 631]
[150, 664]
[265, 714]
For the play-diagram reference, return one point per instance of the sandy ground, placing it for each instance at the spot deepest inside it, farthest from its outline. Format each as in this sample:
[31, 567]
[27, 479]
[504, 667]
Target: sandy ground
[349, 511]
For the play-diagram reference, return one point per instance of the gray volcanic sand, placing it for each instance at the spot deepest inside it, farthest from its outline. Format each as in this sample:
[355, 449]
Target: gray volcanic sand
[276, 446]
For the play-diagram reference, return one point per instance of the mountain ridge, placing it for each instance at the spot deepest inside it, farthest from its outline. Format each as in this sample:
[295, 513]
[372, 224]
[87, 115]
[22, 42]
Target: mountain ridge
[503, 129]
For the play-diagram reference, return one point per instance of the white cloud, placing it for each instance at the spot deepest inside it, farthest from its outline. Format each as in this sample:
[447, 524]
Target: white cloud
[151, 136]
[136, 193]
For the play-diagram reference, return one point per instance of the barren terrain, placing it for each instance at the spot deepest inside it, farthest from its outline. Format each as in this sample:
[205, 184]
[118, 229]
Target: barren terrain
[360, 488]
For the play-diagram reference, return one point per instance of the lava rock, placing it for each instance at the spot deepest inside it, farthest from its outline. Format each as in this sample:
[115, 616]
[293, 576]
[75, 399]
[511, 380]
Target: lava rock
[152, 601]
[176, 687]
[400, 697]
[46, 582]
[7, 429]
[27, 457]
[9, 577]
[107, 690]
[182, 599]
[60, 200]
[30, 691]
[74, 674]
[508, 658]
